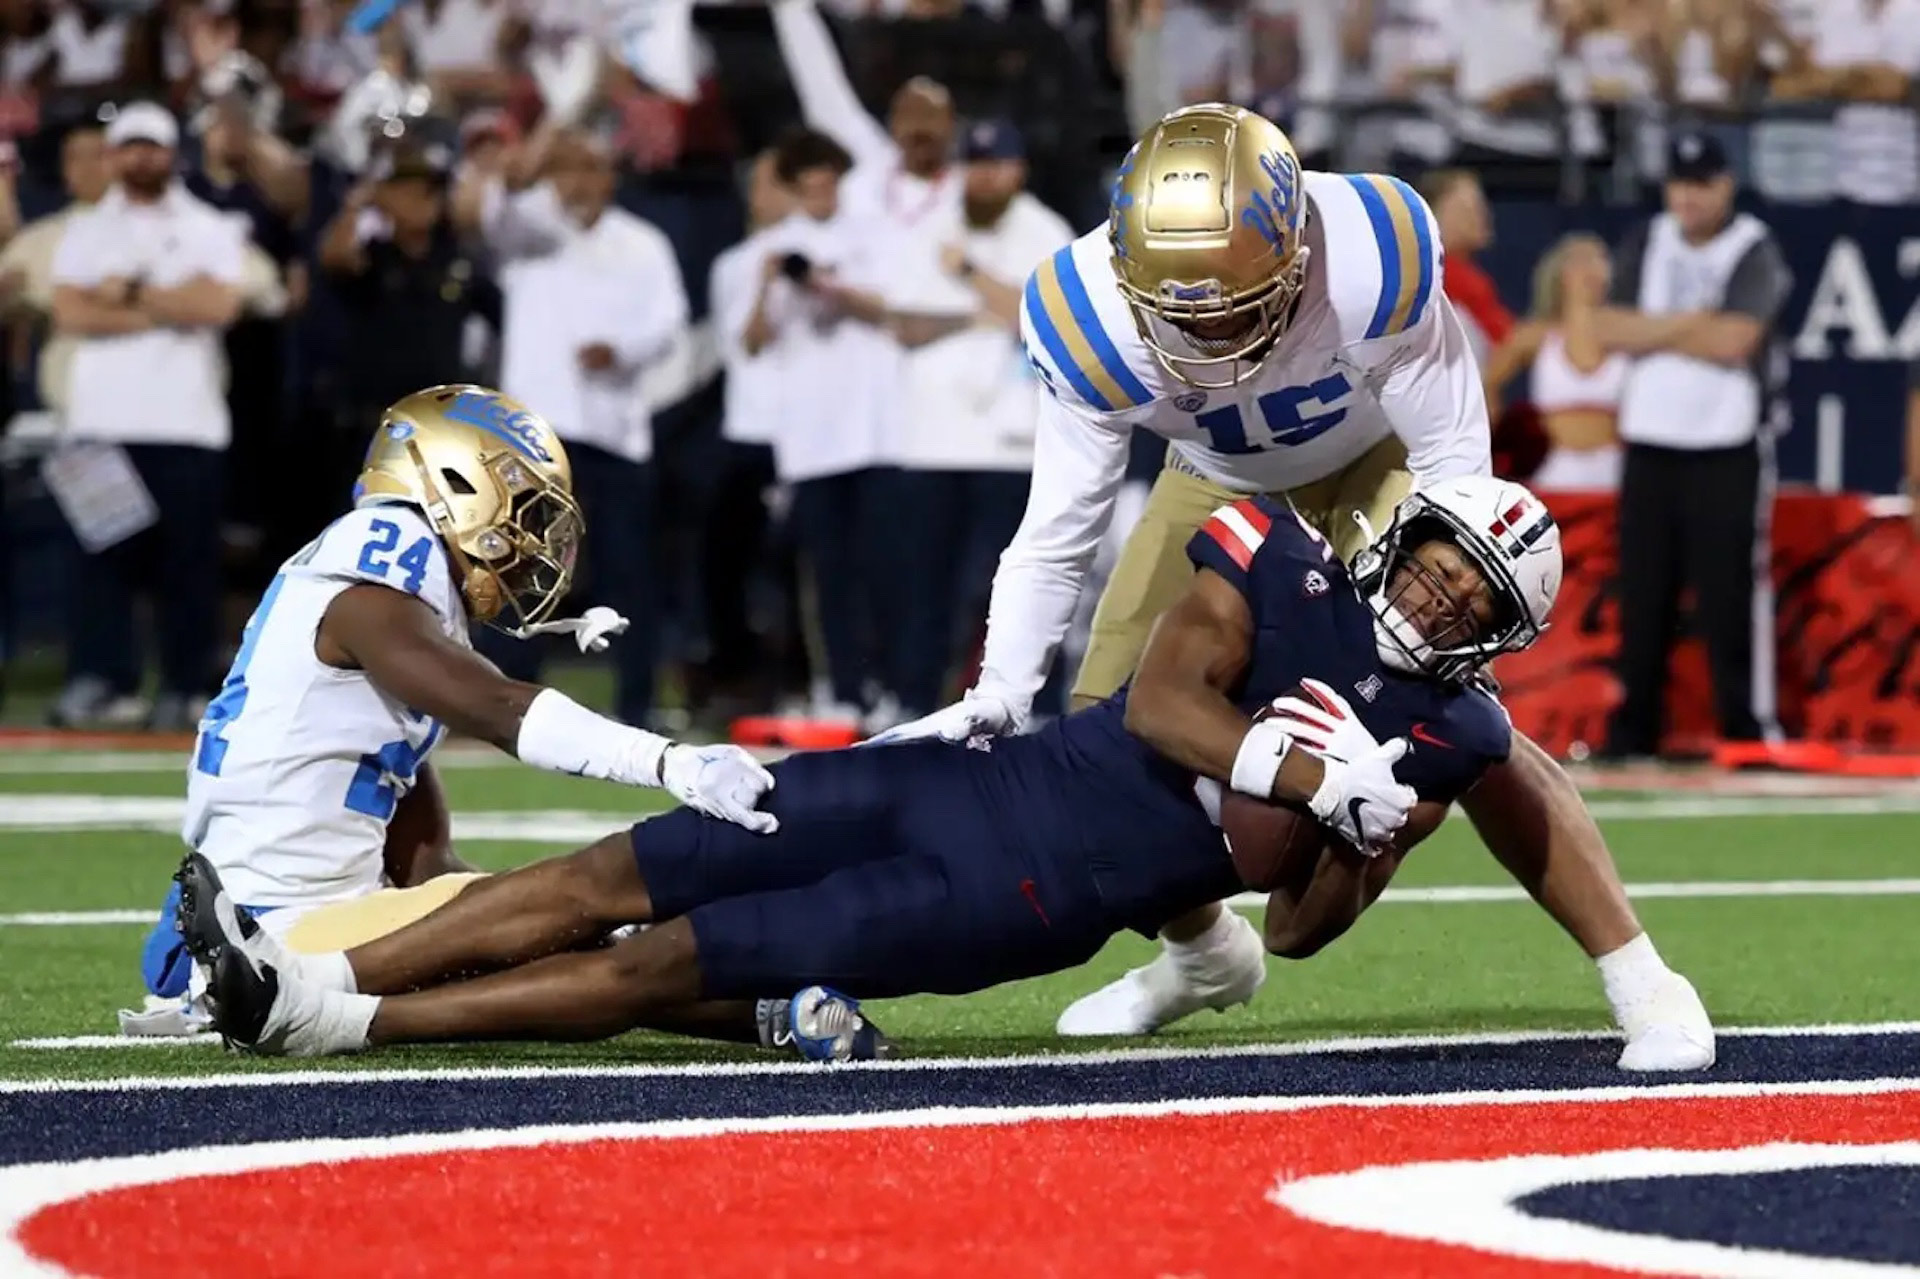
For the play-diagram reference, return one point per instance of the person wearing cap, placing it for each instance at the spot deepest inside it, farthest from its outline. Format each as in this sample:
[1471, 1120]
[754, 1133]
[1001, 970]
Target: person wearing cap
[1697, 293]
[964, 434]
[408, 287]
[147, 281]
[593, 300]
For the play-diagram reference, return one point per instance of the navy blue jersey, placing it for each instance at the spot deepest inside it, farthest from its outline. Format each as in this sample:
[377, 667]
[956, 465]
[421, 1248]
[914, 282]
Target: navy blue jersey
[1309, 622]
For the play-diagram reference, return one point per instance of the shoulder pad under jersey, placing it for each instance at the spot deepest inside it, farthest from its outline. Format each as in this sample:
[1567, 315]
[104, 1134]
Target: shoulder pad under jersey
[1382, 250]
[1079, 334]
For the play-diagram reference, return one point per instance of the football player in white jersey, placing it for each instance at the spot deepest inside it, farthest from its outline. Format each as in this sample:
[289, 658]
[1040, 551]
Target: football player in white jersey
[1286, 332]
[310, 788]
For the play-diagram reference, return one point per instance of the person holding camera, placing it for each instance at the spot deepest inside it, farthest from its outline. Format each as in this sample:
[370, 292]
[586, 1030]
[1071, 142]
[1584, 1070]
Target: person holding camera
[819, 321]
[146, 282]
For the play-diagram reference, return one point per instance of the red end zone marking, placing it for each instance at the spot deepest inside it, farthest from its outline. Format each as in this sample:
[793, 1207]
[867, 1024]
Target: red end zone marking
[1106, 1198]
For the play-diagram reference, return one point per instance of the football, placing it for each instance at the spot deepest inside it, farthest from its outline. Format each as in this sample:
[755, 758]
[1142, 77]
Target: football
[1273, 844]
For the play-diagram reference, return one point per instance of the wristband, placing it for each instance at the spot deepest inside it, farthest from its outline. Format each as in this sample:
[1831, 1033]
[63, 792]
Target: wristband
[1256, 765]
[562, 736]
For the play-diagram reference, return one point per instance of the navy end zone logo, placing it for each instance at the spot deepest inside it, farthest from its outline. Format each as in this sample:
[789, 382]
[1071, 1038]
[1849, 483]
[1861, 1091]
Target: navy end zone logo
[1190, 401]
[490, 413]
[1270, 209]
[1512, 533]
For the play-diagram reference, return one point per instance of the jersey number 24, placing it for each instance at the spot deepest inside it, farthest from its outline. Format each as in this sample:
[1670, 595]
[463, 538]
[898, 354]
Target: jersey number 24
[1292, 415]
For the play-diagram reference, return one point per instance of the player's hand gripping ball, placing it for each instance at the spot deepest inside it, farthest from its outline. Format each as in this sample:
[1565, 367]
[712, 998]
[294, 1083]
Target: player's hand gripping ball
[1274, 843]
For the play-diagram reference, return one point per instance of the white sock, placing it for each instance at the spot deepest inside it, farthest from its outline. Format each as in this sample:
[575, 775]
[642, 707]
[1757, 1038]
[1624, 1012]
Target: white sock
[1631, 973]
[348, 1019]
[329, 971]
[1201, 951]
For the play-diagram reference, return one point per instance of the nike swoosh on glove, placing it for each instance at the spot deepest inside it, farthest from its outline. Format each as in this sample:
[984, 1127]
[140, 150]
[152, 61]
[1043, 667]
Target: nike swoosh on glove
[720, 781]
[1362, 801]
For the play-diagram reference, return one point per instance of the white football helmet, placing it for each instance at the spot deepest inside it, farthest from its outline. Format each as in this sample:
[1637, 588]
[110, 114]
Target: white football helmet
[1511, 539]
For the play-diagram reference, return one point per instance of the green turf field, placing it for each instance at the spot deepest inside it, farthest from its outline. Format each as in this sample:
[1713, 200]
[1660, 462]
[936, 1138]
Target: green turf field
[94, 834]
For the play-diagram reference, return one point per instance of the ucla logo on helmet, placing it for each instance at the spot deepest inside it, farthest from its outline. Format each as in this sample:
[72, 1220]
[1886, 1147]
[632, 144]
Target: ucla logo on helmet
[491, 414]
[1270, 207]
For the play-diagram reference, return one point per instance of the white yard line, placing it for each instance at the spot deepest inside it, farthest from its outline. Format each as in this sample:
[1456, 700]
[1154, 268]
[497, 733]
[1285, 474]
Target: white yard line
[737, 1069]
[572, 826]
[1444, 895]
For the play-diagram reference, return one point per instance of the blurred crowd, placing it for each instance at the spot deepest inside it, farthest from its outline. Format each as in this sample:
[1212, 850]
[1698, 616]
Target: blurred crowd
[781, 344]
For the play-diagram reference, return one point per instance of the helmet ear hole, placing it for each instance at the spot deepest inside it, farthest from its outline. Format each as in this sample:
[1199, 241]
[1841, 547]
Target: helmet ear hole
[457, 482]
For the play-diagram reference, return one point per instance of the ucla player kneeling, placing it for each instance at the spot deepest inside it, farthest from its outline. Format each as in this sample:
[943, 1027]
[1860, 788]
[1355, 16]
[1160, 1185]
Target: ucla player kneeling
[310, 787]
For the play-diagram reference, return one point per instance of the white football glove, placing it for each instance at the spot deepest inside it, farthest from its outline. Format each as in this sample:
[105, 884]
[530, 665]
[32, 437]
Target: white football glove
[1361, 800]
[592, 630]
[1323, 722]
[720, 781]
[975, 715]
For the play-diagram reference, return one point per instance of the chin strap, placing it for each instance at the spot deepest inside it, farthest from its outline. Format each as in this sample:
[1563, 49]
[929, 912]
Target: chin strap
[1366, 528]
[592, 630]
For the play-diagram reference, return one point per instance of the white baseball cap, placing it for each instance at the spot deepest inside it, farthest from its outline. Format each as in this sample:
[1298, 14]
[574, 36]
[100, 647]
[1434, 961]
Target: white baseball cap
[143, 122]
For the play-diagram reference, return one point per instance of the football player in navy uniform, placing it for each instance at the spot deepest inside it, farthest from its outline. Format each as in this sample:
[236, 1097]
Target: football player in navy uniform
[931, 867]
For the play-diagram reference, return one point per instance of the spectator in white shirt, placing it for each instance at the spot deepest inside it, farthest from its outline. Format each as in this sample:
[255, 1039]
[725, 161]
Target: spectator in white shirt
[26, 265]
[819, 320]
[147, 281]
[593, 298]
[736, 517]
[964, 436]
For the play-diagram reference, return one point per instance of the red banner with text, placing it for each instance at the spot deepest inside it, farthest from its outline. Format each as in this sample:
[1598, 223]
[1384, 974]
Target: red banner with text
[1846, 577]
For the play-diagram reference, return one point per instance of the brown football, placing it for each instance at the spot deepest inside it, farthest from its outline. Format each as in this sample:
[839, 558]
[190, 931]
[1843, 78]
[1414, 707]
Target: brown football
[1273, 844]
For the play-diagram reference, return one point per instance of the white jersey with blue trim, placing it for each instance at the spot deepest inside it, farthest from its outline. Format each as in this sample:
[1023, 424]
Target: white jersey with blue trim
[299, 765]
[1373, 349]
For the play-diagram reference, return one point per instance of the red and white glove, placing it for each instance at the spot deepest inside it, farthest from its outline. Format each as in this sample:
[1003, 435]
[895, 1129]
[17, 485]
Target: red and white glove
[1323, 722]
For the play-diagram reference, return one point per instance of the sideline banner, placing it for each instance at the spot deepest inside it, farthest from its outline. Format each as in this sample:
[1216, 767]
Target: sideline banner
[1846, 575]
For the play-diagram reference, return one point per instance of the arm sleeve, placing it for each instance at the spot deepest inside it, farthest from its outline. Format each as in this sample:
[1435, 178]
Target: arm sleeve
[1625, 288]
[1078, 464]
[222, 246]
[1432, 396]
[661, 311]
[1760, 283]
[827, 99]
[74, 260]
[521, 223]
[728, 302]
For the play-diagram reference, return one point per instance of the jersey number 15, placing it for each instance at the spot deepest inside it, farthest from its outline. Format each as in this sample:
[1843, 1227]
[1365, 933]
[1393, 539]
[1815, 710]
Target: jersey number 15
[1293, 415]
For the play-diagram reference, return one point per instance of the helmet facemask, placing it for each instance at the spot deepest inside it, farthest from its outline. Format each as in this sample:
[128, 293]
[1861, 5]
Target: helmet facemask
[1460, 643]
[1166, 316]
[516, 571]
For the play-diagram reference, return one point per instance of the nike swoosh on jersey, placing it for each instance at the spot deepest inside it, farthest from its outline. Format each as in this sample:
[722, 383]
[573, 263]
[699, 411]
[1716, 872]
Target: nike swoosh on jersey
[1422, 734]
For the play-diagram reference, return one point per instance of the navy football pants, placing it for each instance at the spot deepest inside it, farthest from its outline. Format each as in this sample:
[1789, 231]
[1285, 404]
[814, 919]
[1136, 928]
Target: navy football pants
[891, 874]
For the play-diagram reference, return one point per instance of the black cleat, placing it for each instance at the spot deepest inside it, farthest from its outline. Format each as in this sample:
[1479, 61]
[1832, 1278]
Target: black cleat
[199, 917]
[240, 995]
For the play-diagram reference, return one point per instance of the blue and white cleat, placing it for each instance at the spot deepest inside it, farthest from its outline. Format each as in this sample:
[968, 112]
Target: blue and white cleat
[821, 1025]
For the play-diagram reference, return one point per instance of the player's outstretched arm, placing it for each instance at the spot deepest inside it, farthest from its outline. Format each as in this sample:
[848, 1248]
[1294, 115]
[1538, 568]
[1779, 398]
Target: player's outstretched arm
[397, 641]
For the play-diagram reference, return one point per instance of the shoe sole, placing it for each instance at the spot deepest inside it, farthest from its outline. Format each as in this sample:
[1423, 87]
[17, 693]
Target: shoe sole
[229, 971]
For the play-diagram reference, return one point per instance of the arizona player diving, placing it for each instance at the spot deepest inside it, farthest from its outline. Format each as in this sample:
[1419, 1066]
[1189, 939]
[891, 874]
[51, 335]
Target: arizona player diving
[926, 868]
[310, 786]
[1286, 332]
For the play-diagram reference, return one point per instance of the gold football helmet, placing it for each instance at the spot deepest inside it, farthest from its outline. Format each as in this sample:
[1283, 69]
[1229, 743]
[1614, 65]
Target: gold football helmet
[1207, 221]
[493, 480]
